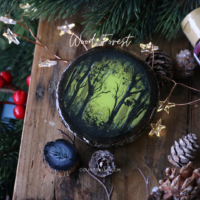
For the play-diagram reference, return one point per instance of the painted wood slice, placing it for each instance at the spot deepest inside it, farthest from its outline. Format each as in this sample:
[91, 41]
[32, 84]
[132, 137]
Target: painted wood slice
[107, 96]
[60, 155]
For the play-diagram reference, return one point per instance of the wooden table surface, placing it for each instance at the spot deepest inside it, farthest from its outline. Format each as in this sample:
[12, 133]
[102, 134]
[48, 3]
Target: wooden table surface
[34, 182]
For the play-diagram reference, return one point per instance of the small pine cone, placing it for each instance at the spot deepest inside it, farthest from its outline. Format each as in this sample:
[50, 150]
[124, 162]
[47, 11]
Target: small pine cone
[185, 64]
[184, 151]
[162, 66]
[102, 163]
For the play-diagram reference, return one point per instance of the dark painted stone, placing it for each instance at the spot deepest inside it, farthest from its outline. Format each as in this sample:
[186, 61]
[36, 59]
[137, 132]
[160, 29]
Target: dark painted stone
[60, 155]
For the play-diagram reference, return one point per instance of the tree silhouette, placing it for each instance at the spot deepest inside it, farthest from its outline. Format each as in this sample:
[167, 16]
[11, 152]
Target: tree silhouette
[127, 94]
[136, 110]
[95, 83]
[78, 85]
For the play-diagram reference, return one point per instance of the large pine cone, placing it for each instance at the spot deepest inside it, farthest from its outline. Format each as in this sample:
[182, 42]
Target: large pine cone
[162, 66]
[159, 194]
[184, 185]
[185, 64]
[184, 151]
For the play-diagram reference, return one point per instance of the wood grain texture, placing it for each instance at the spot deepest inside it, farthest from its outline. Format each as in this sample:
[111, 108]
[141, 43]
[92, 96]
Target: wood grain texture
[34, 182]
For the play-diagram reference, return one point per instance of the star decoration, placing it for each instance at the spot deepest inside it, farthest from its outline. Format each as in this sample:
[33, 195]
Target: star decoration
[26, 7]
[65, 28]
[11, 37]
[156, 128]
[7, 20]
[99, 42]
[47, 63]
[167, 107]
[148, 47]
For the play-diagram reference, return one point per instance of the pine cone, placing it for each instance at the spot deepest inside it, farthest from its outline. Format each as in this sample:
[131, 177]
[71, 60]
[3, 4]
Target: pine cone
[156, 194]
[185, 64]
[184, 185]
[184, 151]
[102, 163]
[162, 66]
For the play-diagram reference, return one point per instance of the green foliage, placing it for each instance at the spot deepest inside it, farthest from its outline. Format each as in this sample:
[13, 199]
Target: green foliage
[7, 6]
[17, 58]
[139, 18]
[10, 135]
[19, 64]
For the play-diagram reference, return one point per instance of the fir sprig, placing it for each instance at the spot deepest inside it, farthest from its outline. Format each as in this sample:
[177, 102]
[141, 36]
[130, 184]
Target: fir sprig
[139, 18]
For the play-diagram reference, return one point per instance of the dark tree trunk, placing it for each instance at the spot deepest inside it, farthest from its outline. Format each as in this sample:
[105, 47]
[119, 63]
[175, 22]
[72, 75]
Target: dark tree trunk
[127, 94]
[69, 103]
[134, 113]
[89, 95]
[70, 81]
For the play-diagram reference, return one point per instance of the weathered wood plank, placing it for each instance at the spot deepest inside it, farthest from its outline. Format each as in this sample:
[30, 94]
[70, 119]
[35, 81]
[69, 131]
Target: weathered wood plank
[33, 181]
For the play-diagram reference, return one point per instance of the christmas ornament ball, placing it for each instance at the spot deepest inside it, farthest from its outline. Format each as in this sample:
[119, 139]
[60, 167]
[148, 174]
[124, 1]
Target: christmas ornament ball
[7, 76]
[20, 97]
[19, 111]
[2, 81]
[28, 80]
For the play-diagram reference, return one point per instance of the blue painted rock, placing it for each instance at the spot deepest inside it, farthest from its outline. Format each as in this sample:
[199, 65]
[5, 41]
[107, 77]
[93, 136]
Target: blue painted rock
[107, 96]
[61, 157]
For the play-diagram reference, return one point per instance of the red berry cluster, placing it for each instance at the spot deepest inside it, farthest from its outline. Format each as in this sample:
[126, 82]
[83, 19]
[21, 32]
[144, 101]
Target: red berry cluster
[19, 97]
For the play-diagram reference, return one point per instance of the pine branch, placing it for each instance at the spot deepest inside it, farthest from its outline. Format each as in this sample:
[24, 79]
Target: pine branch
[139, 18]
[4, 153]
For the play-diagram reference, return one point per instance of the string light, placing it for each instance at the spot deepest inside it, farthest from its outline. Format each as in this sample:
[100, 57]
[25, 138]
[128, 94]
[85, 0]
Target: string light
[26, 7]
[99, 42]
[148, 47]
[47, 63]
[65, 28]
[7, 20]
[11, 37]
[156, 128]
[166, 108]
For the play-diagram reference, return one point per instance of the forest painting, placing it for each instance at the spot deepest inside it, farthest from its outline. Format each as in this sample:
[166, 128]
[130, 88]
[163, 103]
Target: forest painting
[105, 94]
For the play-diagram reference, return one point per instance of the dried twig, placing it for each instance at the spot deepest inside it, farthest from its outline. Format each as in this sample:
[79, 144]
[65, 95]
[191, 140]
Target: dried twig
[152, 46]
[7, 90]
[71, 140]
[146, 181]
[108, 194]
[7, 197]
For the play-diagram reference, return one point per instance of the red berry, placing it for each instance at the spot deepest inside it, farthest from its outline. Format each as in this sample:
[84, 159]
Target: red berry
[19, 111]
[7, 76]
[2, 81]
[28, 80]
[20, 97]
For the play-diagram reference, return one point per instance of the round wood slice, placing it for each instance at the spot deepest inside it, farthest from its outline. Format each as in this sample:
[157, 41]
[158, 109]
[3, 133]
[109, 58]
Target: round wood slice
[107, 96]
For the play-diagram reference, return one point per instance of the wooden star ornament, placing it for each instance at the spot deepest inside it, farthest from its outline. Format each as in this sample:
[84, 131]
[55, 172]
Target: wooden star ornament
[167, 107]
[156, 128]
